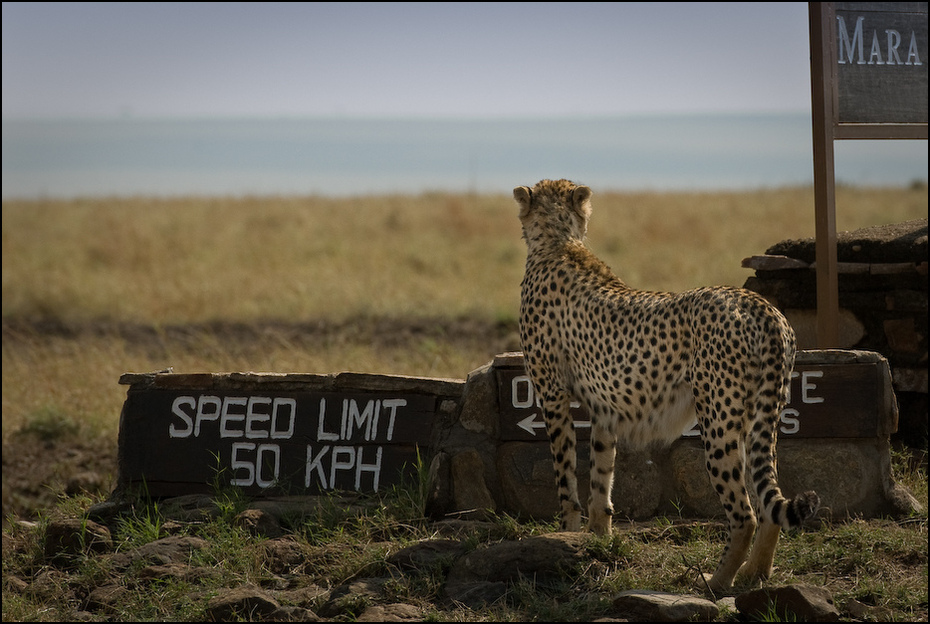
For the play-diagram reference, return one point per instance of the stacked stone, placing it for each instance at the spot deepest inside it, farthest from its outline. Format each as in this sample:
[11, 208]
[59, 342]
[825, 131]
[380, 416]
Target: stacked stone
[882, 276]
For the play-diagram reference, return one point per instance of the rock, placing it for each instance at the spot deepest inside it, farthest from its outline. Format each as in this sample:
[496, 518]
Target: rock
[484, 575]
[895, 242]
[247, 602]
[106, 510]
[258, 523]
[67, 538]
[189, 508]
[106, 599]
[477, 595]
[861, 611]
[427, 554]
[470, 493]
[439, 486]
[174, 549]
[806, 603]
[653, 606]
[351, 599]
[397, 612]
[306, 596]
[175, 571]
[291, 614]
[283, 555]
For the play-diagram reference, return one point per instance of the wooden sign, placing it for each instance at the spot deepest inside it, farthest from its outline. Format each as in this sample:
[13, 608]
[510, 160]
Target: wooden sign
[271, 442]
[827, 400]
[881, 62]
[868, 81]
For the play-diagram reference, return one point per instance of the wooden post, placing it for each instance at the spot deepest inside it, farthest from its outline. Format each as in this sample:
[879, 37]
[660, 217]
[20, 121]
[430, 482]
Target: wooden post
[823, 103]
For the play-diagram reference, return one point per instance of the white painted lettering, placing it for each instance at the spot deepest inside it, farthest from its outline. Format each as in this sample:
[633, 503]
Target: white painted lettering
[807, 387]
[227, 416]
[261, 464]
[374, 423]
[875, 56]
[263, 472]
[361, 420]
[346, 463]
[894, 40]
[236, 464]
[276, 409]
[853, 50]
[393, 404]
[203, 414]
[374, 469]
[846, 45]
[345, 417]
[254, 417]
[316, 463]
[789, 421]
[175, 432]
[320, 433]
[912, 52]
[519, 386]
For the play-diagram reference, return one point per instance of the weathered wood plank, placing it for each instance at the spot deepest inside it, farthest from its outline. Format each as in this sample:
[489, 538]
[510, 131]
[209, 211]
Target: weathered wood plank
[265, 440]
[829, 399]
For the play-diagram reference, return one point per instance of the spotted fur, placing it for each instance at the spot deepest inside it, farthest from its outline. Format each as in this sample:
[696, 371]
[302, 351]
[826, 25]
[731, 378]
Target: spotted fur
[643, 364]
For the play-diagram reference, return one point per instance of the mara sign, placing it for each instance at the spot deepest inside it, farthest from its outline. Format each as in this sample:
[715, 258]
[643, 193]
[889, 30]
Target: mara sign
[881, 62]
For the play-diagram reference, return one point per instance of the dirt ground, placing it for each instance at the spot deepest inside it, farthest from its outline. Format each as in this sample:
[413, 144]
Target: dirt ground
[37, 471]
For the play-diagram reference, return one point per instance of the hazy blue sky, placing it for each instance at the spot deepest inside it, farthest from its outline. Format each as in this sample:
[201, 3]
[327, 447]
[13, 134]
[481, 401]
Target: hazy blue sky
[399, 59]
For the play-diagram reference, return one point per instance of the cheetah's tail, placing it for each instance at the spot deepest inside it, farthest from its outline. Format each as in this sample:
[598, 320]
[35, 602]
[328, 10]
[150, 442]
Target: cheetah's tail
[792, 514]
[786, 513]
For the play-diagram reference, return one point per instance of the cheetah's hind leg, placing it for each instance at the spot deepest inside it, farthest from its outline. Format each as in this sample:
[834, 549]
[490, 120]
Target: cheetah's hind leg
[603, 455]
[561, 431]
[759, 565]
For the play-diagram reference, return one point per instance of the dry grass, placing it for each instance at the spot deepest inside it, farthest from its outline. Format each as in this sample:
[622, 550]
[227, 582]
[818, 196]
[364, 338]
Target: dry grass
[190, 260]
[161, 263]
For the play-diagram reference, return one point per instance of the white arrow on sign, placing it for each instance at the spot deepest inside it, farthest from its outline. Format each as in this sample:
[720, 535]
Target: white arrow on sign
[530, 424]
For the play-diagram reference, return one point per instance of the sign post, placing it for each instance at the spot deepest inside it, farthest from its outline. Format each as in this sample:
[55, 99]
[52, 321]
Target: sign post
[868, 81]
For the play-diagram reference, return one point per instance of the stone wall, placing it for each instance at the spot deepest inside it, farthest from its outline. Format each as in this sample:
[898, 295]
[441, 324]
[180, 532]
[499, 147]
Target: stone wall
[883, 303]
[488, 459]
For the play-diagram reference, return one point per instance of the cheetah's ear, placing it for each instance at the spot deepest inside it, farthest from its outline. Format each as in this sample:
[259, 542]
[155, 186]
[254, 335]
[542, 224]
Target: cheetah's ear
[581, 201]
[523, 194]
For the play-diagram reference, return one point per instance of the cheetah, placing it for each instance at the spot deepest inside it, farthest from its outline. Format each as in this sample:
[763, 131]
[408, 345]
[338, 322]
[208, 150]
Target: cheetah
[643, 364]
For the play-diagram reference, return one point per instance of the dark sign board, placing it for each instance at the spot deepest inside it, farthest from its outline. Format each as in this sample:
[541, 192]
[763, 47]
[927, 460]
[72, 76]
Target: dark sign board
[827, 400]
[881, 62]
[271, 442]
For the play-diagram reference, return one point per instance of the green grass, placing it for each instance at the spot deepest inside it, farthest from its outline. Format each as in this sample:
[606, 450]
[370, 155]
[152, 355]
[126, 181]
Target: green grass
[880, 563]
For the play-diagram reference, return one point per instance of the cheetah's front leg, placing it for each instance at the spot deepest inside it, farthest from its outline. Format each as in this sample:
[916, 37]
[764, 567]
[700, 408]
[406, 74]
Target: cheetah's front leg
[561, 433]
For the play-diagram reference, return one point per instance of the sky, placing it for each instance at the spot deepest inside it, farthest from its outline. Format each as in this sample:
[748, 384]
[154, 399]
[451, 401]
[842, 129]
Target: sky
[446, 60]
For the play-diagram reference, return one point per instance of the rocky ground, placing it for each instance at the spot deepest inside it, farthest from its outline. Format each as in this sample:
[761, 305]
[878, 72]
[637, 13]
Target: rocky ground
[474, 581]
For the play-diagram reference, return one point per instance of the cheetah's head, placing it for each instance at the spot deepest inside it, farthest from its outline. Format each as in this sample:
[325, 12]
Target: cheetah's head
[555, 210]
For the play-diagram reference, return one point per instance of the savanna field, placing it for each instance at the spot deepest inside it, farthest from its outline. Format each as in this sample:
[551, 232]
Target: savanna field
[425, 285]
